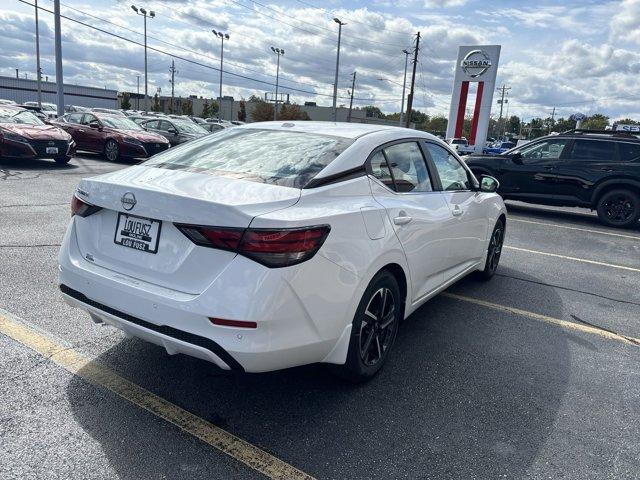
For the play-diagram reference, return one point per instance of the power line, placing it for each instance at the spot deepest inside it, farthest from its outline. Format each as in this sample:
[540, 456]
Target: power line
[185, 59]
[332, 13]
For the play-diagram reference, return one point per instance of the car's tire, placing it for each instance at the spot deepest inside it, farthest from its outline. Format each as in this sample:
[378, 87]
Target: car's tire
[111, 150]
[374, 329]
[619, 208]
[62, 160]
[494, 250]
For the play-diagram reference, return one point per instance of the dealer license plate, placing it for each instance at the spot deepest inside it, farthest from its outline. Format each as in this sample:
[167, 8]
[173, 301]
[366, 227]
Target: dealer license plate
[53, 150]
[138, 233]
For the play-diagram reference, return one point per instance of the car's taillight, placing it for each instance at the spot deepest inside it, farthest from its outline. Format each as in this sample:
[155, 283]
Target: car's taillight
[270, 247]
[82, 209]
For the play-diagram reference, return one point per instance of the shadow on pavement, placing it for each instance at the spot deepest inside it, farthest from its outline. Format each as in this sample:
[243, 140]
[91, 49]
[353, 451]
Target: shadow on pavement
[34, 165]
[576, 218]
[467, 393]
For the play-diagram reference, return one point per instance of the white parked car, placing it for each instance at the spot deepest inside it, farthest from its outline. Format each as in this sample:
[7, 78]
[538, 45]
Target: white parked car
[272, 245]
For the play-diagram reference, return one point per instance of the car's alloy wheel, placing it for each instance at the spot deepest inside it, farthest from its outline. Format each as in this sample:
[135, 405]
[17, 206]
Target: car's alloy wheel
[378, 326]
[111, 150]
[619, 208]
[494, 250]
[374, 328]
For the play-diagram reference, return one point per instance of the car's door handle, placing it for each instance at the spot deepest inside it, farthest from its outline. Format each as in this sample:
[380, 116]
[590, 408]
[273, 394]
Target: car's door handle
[549, 167]
[457, 211]
[606, 169]
[80, 130]
[402, 219]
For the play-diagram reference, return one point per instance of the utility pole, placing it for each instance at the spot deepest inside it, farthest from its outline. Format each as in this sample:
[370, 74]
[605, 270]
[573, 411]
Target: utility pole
[173, 77]
[138, 95]
[17, 73]
[553, 115]
[404, 85]
[335, 83]
[503, 89]
[413, 81]
[353, 87]
[39, 70]
[151, 14]
[58, 50]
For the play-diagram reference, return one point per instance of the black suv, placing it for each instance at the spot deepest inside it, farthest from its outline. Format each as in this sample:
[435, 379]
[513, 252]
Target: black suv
[579, 168]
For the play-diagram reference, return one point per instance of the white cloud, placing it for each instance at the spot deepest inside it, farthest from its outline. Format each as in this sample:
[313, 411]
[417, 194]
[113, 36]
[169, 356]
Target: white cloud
[625, 24]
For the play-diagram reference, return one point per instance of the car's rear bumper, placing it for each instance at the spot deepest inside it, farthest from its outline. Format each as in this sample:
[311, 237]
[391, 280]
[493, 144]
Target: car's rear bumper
[301, 312]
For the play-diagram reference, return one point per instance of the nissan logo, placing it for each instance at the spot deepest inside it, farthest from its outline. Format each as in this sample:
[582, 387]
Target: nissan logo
[128, 201]
[475, 63]
[51, 142]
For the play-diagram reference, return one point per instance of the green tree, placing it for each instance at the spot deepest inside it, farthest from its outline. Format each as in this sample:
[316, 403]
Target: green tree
[292, 112]
[597, 121]
[156, 103]
[627, 121]
[437, 125]
[513, 124]
[373, 112]
[187, 107]
[206, 109]
[215, 107]
[242, 112]
[125, 103]
[563, 124]
[262, 111]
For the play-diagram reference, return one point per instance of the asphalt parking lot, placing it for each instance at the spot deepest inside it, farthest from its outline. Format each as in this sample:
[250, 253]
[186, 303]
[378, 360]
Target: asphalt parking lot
[535, 374]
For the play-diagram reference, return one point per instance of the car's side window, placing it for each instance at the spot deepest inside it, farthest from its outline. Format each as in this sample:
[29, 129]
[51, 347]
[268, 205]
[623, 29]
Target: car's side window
[88, 118]
[408, 168]
[380, 169]
[453, 176]
[628, 151]
[542, 151]
[74, 118]
[152, 124]
[593, 150]
[165, 126]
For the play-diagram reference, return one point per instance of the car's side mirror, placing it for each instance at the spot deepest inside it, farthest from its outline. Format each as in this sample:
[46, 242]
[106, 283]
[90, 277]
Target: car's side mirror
[516, 158]
[95, 125]
[172, 130]
[488, 184]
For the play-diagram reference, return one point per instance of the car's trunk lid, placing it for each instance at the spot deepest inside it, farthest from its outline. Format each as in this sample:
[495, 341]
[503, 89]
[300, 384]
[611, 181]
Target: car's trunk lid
[171, 197]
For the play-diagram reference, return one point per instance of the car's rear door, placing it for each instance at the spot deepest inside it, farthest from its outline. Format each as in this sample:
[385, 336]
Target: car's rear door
[419, 214]
[468, 232]
[71, 125]
[586, 161]
[532, 175]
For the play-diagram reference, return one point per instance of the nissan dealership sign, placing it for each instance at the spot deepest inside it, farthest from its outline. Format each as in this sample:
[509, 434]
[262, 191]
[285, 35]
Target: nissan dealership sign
[476, 63]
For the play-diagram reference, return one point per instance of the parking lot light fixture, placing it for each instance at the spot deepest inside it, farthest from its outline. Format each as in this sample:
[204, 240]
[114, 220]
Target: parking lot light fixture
[277, 51]
[151, 14]
[222, 36]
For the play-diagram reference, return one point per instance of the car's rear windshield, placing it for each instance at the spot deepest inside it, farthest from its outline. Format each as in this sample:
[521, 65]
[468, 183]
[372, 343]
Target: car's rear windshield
[276, 157]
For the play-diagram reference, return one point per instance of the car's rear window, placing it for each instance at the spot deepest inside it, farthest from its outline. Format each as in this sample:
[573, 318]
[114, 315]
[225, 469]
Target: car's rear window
[276, 157]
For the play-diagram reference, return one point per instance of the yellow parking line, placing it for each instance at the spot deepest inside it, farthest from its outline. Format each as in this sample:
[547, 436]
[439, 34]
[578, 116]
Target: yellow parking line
[100, 375]
[589, 230]
[575, 259]
[547, 319]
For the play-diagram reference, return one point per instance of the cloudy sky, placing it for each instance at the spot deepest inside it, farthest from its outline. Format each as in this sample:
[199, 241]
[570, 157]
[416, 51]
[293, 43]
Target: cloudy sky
[576, 56]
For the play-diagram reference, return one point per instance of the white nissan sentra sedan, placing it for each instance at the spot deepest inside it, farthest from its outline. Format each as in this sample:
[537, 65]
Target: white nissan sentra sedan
[272, 245]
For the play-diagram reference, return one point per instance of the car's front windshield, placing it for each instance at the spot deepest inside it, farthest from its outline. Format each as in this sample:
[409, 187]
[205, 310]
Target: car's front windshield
[24, 117]
[122, 123]
[271, 156]
[187, 126]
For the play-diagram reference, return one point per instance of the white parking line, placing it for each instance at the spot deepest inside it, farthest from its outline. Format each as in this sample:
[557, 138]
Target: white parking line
[575, 259]
[589, 230]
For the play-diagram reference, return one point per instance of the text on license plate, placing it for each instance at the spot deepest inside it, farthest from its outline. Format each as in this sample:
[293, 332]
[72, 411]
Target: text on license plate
[53, 150]
[137, 232]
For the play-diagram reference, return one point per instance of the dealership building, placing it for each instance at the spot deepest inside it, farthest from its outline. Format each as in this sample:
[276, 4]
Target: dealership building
[22, 90]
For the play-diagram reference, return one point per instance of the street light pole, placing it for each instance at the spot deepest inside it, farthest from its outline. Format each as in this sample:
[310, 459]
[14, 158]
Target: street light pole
[404, 84]
[58, 50]
[277, 51]
[151, 14]
[39, 71]
[335, 84]
[222, 37]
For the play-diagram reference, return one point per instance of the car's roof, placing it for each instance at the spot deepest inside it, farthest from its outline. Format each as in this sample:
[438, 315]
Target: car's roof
[336, 129]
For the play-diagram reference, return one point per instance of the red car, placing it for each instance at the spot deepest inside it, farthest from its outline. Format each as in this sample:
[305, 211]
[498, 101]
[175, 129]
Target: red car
[23, 135]
[112, 135]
